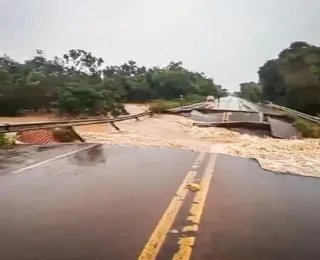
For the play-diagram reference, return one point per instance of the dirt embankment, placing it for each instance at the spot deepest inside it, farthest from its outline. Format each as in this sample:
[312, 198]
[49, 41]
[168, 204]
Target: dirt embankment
[294, 156]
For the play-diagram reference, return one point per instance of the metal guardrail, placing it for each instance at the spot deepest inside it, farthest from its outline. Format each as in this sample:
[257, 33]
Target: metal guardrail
[188, 107]
[246, 104]
[297, 113]
[7, 127]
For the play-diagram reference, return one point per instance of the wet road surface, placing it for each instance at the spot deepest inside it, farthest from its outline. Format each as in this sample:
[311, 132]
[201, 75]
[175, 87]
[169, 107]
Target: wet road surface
[14, 159]
[231, 103]
[242, 116]
[107, 202]
[254, 214]
[283, 129]
[101, 203]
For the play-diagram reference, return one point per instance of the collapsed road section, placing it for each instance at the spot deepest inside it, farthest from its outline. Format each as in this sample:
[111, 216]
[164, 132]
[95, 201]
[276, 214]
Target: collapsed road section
[232, 112]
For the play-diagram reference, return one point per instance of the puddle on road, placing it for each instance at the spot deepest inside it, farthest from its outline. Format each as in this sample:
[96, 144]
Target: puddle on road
[254, 214]
[46, 147]
[90, 157]
[25, 155]
[11, 156]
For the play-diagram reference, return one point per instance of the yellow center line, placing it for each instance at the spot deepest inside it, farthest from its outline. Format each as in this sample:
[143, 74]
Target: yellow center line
[193, 228]
[196, 210]
[185, 248]
[157, 238]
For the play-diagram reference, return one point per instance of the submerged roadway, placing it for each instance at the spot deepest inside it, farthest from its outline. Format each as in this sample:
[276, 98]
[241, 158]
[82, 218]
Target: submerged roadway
[95, 202]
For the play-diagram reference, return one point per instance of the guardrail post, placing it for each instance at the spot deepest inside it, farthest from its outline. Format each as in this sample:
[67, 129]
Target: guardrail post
[76, 134]
[4, 127]
[113, 124]
[261, 116]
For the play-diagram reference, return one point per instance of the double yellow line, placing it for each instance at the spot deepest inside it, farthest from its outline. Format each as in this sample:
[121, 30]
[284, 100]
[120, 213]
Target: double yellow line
[157, 238]
[196, 210]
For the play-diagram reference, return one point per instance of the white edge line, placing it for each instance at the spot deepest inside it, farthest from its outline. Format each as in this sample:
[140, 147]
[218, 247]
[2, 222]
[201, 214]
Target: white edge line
[52, 159]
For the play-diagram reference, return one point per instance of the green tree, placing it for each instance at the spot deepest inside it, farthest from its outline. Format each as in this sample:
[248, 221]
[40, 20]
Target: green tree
[92, 100]
[251, 91]
[79, 82]
[293, 79]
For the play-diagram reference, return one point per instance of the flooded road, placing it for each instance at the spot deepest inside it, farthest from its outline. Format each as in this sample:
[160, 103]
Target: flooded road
[87, 202]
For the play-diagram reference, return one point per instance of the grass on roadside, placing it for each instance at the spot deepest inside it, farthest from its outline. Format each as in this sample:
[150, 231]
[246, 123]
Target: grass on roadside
[5, 142]
[159, 106]
[306, 128]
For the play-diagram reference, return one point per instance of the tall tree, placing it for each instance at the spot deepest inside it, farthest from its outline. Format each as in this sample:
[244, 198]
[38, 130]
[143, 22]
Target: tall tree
[251, 91]
[80, 82]
[293, 79]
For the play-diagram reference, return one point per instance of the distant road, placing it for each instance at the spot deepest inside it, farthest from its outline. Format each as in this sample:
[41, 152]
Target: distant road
[233, 103]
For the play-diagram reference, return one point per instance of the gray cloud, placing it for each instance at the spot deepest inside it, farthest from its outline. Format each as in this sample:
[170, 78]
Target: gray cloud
[227, 40]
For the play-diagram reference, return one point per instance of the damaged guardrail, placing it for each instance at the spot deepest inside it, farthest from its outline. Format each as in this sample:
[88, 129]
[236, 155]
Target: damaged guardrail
[296, 113]
[9, 127]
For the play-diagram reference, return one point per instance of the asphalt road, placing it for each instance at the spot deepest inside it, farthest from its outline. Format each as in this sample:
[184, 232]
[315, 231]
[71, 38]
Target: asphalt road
[225, 103]
[89, 202]
[239, 110]
[232, 103]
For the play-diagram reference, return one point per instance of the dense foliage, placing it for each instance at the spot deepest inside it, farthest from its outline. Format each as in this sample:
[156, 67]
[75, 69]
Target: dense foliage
[250, 91]
[80, 83]
[292, 79]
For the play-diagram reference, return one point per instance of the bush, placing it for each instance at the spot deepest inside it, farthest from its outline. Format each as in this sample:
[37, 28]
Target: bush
[5, 141]
[194, 98]
[160, 106]
[307, 129]
[90, 100]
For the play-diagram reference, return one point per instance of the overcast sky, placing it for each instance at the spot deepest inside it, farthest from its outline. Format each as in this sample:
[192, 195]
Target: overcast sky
[228, 40]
